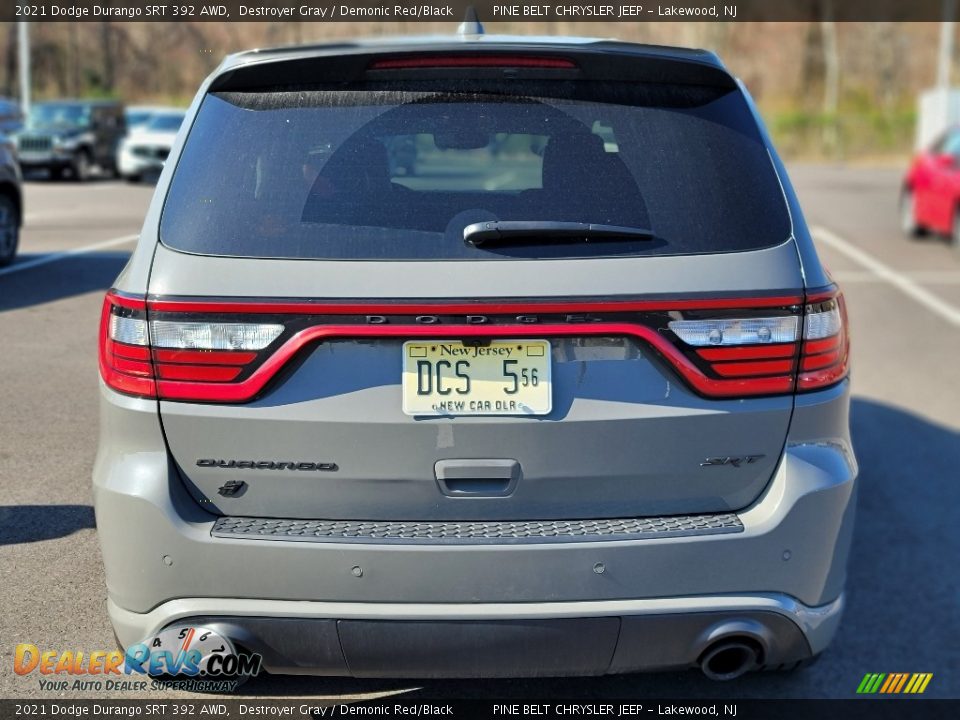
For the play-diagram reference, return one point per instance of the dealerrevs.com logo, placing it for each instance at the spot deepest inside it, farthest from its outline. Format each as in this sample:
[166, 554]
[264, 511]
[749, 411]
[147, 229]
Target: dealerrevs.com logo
[180, 657]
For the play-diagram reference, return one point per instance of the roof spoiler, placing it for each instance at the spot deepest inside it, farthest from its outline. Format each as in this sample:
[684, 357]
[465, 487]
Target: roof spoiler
[351, 63]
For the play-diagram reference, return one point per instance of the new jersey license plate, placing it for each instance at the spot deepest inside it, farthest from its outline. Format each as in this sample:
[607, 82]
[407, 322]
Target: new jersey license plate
[503, 377]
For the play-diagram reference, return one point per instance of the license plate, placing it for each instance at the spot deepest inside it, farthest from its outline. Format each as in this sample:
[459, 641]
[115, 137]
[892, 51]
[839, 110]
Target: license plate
[503, 377]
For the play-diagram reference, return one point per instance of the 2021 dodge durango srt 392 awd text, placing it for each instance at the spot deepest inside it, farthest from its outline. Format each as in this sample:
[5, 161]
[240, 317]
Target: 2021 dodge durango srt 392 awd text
[564, 392]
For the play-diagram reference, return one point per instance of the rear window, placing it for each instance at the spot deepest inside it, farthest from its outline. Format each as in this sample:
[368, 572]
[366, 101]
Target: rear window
[165, 123]
[386, 173]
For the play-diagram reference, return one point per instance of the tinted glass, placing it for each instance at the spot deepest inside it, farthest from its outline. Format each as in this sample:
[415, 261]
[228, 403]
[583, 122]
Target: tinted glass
[385, 173]
[57, 115]
[137, 118]
[165, 123]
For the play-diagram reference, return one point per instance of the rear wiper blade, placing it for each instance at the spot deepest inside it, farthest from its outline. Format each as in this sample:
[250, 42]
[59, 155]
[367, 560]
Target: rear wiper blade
[546, 231]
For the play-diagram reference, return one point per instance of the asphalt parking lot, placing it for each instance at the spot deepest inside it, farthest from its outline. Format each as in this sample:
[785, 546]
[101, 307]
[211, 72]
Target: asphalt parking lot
[904, 583]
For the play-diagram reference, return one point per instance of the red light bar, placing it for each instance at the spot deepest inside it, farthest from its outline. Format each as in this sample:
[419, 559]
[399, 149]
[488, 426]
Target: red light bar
[238, 376]
[751, 352]
[468, 61]
[204, 357]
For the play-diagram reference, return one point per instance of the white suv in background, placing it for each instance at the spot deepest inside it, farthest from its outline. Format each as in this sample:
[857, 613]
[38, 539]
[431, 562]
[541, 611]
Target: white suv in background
[145, 149]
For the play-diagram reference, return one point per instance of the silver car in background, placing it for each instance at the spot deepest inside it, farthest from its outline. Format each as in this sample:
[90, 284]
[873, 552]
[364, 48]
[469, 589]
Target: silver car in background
[564, 392]
[145, 148]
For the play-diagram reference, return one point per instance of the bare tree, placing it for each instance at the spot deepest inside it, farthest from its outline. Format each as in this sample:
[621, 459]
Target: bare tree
[831, 84]
[74, 59]
[10, 61]
[108, 77]
[884, 43]
[812, 72]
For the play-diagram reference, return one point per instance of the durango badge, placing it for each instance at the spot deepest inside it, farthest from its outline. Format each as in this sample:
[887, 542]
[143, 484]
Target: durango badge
[732, 461]
[267, 465]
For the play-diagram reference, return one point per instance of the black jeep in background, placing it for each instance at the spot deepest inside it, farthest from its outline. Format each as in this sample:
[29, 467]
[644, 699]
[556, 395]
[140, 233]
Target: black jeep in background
[73, 136]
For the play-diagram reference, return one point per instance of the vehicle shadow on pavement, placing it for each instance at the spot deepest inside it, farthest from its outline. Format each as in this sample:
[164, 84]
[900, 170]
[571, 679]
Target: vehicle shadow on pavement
[901, 594]
[62, 278]
[32, 523]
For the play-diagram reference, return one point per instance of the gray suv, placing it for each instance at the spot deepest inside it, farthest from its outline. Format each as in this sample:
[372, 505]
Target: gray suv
[570, 398]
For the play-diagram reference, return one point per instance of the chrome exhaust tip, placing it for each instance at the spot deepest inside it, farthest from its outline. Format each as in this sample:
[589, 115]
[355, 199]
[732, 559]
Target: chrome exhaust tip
[729, 659]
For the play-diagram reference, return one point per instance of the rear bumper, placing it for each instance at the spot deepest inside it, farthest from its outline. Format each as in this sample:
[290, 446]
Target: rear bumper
[504, 640]
[782, 574]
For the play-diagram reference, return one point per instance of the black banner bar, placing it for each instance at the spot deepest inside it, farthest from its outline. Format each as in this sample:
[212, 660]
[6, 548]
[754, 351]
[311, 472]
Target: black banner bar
[636, 11]
[525, 709]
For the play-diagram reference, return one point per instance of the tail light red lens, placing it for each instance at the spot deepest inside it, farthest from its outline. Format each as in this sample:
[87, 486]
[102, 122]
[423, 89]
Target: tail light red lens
[124, 351]
[227, 351]
[156, 358]
[775, 353]
[473, 61]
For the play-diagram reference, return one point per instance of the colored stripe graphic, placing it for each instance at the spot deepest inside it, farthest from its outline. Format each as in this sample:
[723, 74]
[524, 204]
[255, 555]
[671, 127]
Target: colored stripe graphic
[870, 683]
[894, 683]
[903, 681]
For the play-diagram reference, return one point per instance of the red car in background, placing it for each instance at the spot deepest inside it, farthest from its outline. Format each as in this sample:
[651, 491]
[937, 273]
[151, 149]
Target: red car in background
[930, 201]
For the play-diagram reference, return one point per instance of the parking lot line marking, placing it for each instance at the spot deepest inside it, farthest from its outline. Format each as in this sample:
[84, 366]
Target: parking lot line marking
[883, 271]
[54, 257]
[927, 277]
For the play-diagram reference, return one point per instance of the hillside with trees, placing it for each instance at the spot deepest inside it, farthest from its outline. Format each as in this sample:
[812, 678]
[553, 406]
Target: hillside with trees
[835, 90]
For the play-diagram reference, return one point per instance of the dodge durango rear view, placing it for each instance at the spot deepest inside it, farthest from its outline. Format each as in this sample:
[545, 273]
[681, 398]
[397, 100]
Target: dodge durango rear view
[476, 357]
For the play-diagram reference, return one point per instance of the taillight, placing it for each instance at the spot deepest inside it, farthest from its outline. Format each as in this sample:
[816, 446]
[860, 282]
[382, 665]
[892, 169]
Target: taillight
[124, 346]
[771, 354]
[228, 351]
[171, 358]
[749, 355]
[825, 350]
